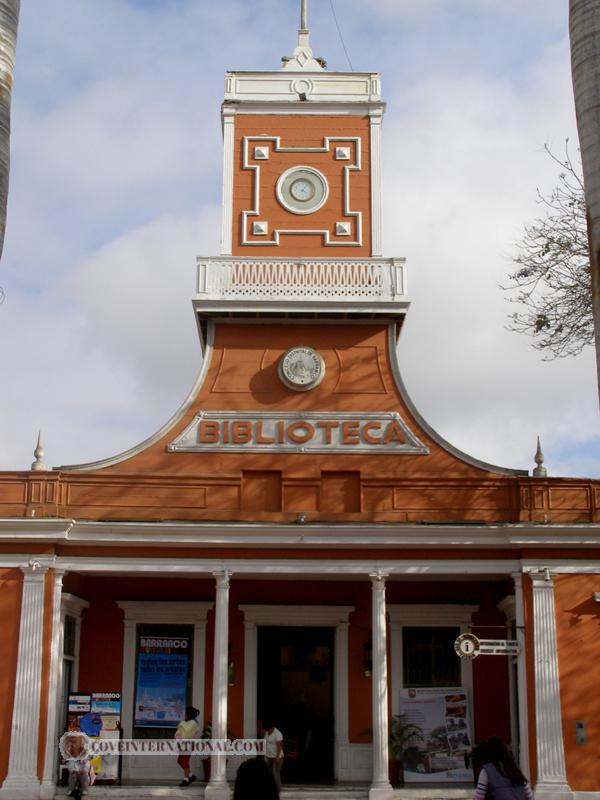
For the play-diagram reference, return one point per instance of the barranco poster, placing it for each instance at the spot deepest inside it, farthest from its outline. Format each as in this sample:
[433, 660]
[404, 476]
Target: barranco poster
[162, 673]
[443, 717]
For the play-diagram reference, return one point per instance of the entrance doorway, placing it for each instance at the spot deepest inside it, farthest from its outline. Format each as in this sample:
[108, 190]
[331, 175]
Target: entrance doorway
[295, 689]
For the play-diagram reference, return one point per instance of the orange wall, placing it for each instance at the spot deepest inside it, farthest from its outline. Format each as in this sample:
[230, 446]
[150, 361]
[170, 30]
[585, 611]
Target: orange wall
[11, 581]
[578, 640]
[301, 131]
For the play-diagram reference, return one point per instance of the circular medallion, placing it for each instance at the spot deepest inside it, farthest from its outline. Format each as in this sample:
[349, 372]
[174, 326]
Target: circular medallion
[301, 368]
[467, 645]
[302, 190]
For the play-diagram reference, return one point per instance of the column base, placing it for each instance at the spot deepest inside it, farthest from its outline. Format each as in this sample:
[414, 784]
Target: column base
[47, 790]
[217, 791]
[20, 789]
[553, 791]
[382, 791]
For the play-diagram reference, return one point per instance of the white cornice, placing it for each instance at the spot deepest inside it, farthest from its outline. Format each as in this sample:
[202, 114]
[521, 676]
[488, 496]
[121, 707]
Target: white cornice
[336, 569]
[341, 108]
[302, 89]
[294, 536]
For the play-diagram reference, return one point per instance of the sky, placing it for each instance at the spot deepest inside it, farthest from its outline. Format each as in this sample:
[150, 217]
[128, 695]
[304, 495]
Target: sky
[116, 188]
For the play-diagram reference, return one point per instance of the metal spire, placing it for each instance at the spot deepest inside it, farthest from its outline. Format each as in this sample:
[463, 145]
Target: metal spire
[540, 471]
[38, 465]
[303, 58]
[304, 16]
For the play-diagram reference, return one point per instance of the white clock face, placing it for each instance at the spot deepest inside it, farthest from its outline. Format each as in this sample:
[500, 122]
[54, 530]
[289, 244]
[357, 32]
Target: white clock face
[302, 190]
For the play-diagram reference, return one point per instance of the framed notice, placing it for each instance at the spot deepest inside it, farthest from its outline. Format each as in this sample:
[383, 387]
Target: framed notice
[442, 716]
[162, 676]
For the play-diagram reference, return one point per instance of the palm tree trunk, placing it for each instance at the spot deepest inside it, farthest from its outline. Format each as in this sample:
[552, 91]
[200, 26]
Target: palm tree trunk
[9, 18]
[584, 29]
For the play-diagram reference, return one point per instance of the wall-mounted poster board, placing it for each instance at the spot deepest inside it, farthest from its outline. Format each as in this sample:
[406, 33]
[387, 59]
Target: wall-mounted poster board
[443, 717]
[161, 686]
[97, 714]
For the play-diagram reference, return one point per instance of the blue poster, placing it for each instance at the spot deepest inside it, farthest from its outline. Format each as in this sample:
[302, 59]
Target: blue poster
[162, 672]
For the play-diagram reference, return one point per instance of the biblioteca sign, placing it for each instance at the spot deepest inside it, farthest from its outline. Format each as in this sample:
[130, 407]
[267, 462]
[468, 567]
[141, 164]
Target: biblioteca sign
[298, 432]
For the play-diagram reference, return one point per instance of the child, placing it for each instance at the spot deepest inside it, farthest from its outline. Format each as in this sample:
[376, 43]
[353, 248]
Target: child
[80, 769]
[187, 729]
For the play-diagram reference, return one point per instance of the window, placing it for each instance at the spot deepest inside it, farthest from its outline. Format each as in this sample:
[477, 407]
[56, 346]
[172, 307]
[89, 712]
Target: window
[429, 658]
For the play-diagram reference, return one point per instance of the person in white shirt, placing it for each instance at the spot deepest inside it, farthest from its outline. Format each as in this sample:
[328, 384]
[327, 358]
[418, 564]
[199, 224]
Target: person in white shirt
[274, 750]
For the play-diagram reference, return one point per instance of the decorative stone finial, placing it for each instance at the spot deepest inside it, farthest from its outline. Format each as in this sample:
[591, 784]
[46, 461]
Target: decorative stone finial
[38, 465]
[540, 471]
[303, 59]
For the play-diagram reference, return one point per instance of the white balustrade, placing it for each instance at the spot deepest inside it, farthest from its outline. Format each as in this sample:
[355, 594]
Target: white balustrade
[318, 280]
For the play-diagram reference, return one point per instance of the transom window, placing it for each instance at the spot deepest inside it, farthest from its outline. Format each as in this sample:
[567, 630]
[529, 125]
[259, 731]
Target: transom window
[429, 658]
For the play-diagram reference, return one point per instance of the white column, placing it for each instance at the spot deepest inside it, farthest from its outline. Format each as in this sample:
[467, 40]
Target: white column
[376, 118]
[22, 780]
[50, 758]
[227, 208]
[521, 676]
[551, 772]
[218, 789]
[381, 788]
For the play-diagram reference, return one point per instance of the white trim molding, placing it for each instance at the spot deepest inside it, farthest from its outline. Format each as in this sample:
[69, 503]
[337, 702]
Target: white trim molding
[375, 120]
[346, 169]
[228, 117]
[425, 615]
[137, 612]
[522, 704]
[301, 616]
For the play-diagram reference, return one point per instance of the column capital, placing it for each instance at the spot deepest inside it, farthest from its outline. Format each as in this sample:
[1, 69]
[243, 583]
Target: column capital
[379, 577]
[541, 578]
[222, 577]
[34, 570]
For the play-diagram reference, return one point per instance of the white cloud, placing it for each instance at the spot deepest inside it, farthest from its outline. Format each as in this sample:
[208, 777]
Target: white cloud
[116, 178]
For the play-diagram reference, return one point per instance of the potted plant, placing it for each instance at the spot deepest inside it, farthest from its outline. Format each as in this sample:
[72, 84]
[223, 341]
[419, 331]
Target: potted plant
[403, 735]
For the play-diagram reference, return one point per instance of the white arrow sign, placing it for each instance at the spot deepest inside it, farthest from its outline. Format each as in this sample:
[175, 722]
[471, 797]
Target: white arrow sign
[467, 645]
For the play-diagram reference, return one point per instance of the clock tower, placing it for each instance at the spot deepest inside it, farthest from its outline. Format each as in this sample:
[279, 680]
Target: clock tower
[301, 227]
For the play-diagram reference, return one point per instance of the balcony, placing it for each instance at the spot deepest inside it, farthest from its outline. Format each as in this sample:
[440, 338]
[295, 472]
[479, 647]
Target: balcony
[232, 286]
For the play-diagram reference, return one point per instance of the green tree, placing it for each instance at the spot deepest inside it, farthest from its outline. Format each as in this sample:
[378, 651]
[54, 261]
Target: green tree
[552, 283]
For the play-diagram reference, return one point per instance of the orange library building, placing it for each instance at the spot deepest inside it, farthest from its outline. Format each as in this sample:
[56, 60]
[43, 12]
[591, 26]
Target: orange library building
[297, 543]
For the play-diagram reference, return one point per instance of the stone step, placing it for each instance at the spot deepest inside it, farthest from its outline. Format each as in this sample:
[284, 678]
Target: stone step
[335, 792]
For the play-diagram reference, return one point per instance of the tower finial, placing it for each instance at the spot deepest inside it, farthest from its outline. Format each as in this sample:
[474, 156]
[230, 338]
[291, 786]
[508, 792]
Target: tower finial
[540, 471]
[303, 58]
[38, 465]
